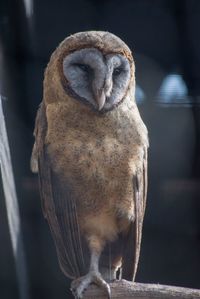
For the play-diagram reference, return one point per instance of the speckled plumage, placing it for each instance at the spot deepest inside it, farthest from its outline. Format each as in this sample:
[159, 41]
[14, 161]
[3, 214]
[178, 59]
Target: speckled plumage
[98, 160]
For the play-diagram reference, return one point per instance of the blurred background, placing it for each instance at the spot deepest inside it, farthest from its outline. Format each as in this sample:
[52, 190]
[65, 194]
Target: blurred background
[164, 36]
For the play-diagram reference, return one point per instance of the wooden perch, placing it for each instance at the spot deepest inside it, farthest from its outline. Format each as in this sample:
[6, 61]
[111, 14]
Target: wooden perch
[130, 290]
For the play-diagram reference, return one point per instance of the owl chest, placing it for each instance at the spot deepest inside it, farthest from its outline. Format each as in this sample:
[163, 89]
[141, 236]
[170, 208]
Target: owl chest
[100, 157]
[98, 167]
[90, 149]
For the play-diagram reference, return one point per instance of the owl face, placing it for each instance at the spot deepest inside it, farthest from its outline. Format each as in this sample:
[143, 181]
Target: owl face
[98, 79]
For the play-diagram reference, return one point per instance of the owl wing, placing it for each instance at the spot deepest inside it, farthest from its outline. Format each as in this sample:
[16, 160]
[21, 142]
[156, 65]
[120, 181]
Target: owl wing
[58, 205]
[131, 251]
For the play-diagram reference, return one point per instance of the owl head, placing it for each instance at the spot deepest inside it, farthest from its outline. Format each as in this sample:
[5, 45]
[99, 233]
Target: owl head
[95, 68]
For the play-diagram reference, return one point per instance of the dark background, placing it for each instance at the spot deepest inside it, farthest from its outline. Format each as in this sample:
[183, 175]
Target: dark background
[164, 36]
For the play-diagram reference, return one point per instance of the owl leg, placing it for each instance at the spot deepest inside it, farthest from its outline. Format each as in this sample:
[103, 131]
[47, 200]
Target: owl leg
[79, 285]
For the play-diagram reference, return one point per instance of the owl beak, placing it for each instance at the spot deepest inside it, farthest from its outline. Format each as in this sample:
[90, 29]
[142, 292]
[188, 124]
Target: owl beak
[104, 93]
[100, 99]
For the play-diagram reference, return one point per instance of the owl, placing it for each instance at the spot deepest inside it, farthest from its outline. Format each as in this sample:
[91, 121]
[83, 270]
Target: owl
[90, 153]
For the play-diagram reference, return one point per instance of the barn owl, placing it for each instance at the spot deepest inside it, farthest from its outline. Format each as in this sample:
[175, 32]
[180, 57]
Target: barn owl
[90, 153]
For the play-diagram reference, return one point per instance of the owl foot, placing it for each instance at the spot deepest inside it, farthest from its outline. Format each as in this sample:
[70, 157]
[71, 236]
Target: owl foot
[78, 286]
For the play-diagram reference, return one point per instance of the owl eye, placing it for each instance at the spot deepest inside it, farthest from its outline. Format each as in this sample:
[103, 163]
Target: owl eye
[84, 67]
[117, 71]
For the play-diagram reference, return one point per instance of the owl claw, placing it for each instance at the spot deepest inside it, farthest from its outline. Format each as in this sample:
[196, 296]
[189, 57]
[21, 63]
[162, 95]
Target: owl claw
[78, 286]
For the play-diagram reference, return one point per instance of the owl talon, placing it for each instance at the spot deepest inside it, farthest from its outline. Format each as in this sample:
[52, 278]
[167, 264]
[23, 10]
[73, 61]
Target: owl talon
[78, 286]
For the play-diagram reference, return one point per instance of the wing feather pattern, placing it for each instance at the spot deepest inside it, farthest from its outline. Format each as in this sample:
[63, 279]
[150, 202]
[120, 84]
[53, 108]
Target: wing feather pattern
[59, 206]
[131, 251]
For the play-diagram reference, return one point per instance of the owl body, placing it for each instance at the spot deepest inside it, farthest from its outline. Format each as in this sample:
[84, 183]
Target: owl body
[91, 147]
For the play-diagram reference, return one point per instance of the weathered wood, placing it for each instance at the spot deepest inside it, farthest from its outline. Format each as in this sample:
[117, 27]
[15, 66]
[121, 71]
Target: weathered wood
[12, 208]
[129, 290]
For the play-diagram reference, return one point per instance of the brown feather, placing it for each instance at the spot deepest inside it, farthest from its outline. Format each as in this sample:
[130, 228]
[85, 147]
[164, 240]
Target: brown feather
[134, 236]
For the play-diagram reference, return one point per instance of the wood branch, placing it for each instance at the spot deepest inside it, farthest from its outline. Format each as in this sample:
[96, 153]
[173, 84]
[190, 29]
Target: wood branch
[130, 290]
[12, 209]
